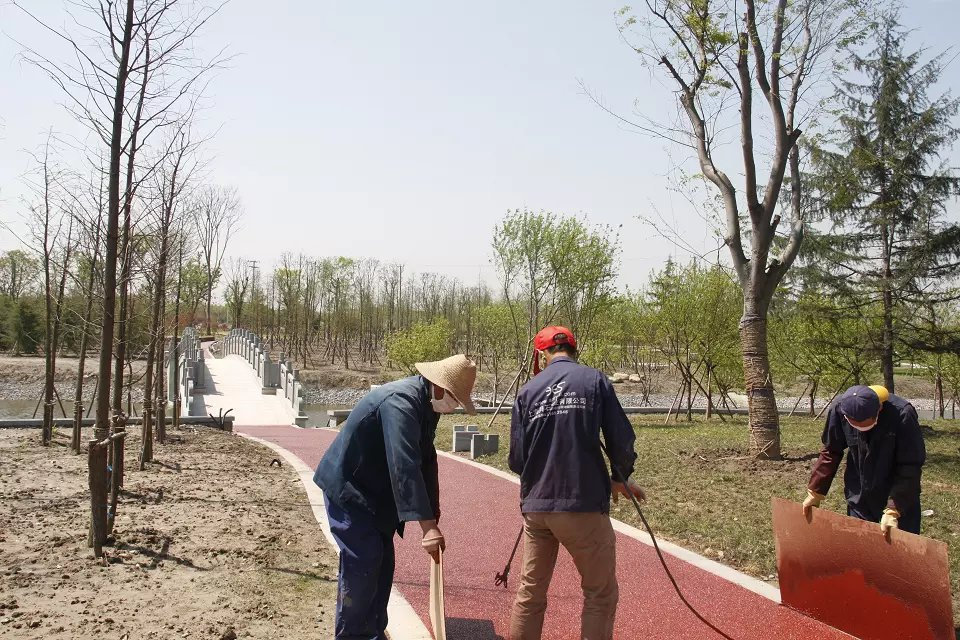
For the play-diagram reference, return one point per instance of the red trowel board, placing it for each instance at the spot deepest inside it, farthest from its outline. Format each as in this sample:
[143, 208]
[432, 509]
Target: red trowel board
[842, 571]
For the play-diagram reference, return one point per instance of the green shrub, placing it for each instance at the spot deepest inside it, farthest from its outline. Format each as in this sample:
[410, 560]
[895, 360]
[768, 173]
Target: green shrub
[422, 342]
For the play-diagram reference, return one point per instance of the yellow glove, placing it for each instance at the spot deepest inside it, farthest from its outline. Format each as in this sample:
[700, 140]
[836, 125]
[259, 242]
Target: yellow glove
[812, 500]
[889, 520]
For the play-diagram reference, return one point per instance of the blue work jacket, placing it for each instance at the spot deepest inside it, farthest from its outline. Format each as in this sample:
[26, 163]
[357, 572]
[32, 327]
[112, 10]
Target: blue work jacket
[555, 433]
[884, 463]
[383, 460]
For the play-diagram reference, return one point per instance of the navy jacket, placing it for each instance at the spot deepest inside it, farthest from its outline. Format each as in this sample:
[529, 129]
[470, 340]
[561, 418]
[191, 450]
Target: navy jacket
[883, 467]
[555, 439]
[383, 460]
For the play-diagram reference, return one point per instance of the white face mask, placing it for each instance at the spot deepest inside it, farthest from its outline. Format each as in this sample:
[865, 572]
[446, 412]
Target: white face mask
[862, 429]
[446, 404]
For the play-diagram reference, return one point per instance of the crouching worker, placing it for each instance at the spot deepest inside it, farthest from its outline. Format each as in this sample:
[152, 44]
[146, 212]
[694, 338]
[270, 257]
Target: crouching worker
[380, 472]
[565, 489]
[882, 478]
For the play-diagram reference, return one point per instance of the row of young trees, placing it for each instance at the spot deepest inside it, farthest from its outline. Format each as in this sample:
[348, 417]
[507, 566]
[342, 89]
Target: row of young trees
[115, 219]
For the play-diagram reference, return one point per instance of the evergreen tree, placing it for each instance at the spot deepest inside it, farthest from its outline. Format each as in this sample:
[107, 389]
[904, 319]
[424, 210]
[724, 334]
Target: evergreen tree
[882, 183]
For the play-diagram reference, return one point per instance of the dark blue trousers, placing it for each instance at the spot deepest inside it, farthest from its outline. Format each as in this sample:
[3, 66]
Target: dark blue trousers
[909, 521]
[365, 576]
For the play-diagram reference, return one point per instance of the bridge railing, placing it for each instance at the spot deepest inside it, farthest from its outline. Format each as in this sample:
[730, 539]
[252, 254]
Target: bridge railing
[278, 376]
[187, 372]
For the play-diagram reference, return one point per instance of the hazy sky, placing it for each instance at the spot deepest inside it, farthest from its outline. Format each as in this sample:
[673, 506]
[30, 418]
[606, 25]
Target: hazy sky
[404, 131]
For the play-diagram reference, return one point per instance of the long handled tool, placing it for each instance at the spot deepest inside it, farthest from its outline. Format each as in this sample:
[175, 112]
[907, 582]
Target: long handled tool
[437, 613]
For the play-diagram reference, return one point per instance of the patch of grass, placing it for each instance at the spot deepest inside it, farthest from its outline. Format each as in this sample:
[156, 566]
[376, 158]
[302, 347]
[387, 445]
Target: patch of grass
[706, 493]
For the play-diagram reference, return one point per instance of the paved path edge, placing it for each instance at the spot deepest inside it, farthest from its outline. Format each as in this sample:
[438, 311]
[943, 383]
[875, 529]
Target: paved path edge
[404, 623]
[729, 574]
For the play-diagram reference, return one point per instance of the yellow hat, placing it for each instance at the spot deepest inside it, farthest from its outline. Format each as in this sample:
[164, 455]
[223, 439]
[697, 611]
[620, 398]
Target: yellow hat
[881, 392]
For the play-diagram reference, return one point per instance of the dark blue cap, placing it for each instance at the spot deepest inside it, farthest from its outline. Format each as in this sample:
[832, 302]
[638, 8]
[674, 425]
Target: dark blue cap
[860, 403]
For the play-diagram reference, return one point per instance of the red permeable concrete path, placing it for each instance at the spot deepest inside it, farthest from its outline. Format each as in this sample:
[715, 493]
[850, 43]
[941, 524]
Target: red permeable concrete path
[480, 520]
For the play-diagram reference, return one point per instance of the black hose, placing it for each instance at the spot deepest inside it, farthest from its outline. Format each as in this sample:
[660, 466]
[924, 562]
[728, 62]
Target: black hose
[656, 547]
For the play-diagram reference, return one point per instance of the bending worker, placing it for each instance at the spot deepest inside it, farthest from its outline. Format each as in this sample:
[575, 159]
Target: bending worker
[565, 488]
[380, 472]
[882, 479]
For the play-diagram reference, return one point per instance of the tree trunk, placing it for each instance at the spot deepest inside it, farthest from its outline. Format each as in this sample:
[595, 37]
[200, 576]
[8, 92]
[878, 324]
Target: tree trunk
[146, 433]
[175, 347]
[82, 356]
[938, 392]
[209, 296]
[102, 427]
[762, 403]
[98, 481]
[121, 348]
[160, 400]
[709, 392]
[886, 353]
[46, 433]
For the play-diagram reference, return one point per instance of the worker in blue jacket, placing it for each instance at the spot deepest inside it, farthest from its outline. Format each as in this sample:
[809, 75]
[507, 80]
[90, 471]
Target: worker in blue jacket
[380, 472]
[565, 487]
[882, 478]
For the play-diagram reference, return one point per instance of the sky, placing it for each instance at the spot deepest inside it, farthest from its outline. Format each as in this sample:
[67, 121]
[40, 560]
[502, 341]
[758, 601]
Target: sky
[405, 131]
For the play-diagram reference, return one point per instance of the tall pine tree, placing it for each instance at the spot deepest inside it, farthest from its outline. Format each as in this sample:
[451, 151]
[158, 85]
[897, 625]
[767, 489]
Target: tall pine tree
[882, 183]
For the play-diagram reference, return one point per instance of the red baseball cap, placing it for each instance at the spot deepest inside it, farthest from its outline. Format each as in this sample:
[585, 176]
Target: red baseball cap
[552, 336]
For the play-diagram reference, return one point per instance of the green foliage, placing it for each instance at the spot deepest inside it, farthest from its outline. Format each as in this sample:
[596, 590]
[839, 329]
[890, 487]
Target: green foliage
[695, 312]
[6, 314]
[18, 273]
[818, 343]
[556, 268]
[423, 342]
[26, 326]
[496, 329]
[193, 285]
[880, 185]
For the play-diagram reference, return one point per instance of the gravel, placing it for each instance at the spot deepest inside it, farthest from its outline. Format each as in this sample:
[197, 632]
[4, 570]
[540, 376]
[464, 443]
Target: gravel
[333, 396]
[349, 397]
[30, 390]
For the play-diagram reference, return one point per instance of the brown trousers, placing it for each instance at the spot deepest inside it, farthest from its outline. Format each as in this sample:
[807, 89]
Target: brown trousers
[590, 540]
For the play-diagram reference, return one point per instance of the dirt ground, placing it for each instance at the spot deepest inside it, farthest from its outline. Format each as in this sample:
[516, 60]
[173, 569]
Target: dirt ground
[211, 542]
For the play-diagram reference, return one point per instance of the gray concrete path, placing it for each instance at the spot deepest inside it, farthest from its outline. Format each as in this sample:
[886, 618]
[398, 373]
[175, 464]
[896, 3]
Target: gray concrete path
[232, 384]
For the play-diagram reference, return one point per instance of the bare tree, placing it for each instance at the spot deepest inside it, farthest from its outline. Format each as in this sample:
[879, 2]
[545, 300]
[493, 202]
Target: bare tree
[172, 179]
[718, 54]
[238, 285]
[217, 217]
[92, 270]
[46, 220]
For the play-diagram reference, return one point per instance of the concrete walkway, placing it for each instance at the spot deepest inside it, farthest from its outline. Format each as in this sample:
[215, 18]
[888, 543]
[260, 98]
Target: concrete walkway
[232, 384]
[481, 518]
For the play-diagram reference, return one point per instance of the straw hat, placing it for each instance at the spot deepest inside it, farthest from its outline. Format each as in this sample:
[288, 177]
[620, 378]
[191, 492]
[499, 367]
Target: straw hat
[455, 374]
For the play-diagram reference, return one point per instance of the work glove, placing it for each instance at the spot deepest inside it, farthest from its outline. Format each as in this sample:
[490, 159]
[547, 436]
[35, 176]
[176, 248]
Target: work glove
[812, 500]
[433, 543]
[889, 521]
[625, 489]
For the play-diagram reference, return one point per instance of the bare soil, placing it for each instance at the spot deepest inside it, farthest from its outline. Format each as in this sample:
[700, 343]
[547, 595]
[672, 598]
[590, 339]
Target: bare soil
[211, 541]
